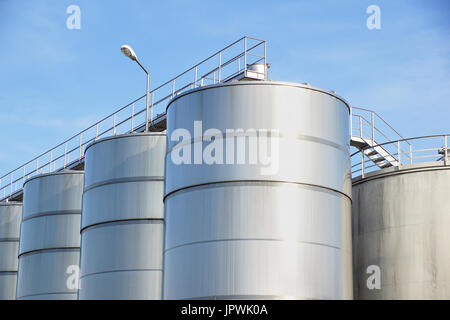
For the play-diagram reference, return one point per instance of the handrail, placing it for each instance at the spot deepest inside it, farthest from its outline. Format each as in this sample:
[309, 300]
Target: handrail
[404, 140]
[416, 153]
[74, 136]
[374, 116]
[79, 140]
[374, 112]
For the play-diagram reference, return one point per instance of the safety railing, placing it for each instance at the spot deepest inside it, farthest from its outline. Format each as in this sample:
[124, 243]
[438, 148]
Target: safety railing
[223, 65]
[421, 149]
[369, 127]
[367, 124]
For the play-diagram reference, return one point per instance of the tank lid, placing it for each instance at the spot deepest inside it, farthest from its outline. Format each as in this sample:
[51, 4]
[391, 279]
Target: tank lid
[56, 173]
[126, 135]
[261, 83]
[405, 169]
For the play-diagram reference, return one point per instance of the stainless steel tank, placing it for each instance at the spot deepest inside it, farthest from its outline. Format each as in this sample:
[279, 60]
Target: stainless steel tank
[49, 248]
[258, 70]
[252, 228]
[401, 227]
[10, 217]
[122, 221]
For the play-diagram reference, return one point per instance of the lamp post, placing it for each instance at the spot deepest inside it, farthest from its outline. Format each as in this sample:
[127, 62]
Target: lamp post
[128, 51]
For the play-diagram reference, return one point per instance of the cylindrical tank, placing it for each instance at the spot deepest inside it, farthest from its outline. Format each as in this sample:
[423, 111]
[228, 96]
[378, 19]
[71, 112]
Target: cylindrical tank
[240, 226]
[259, 68]
[122, 221]
[401, 233]
[49, 250]
[10, 217]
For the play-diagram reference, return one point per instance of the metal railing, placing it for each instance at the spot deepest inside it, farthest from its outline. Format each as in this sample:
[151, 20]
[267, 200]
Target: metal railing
[374, 130]
[222, 66]
[421, 149]
[367, 124]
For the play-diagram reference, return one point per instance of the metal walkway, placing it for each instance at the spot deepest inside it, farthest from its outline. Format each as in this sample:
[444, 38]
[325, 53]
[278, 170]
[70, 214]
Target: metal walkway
[232, 62]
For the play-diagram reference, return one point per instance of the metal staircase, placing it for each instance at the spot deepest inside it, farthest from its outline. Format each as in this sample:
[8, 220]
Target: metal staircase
[377, 154]
[374, 139]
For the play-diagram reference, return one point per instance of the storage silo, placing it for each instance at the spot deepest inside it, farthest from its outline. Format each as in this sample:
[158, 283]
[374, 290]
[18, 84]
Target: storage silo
[401, 233]
[240, 226]
[49, 250]
[10, 217]
[122, 220]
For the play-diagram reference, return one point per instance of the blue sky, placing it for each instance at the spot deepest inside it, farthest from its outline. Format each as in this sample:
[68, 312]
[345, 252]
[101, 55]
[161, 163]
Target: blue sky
[55, 81]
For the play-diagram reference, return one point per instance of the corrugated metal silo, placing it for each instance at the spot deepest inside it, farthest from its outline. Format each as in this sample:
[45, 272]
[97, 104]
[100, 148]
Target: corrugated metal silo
[49, 248]
[278, 229]
[10, 217]
[122, 221]
[401, 223]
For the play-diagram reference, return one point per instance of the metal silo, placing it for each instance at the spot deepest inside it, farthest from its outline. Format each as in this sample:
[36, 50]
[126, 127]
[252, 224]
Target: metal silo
[240, 226]
[10, 217]
[401, 222]
[49, 248]
[122, 220]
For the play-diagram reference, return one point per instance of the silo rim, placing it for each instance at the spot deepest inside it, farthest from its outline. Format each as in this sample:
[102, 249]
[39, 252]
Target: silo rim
[10, 203]
[405, 169]
[126, 135]
[278, 83]
[42, 175]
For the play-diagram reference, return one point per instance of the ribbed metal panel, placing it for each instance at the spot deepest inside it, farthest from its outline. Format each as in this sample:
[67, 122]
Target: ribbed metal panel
[234, 232]
[122, 220]
[401, 222]
[10, 217]
[50, 235]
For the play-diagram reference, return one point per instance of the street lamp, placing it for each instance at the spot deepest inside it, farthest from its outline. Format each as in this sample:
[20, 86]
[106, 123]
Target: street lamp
[129, 52]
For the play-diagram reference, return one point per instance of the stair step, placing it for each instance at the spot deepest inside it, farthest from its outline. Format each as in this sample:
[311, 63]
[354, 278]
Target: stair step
[371, 153]
[385, 165]
[378, 159]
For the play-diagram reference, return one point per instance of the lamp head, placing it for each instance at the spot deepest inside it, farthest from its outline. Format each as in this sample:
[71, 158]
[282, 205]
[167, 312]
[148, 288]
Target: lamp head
[128, 51]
